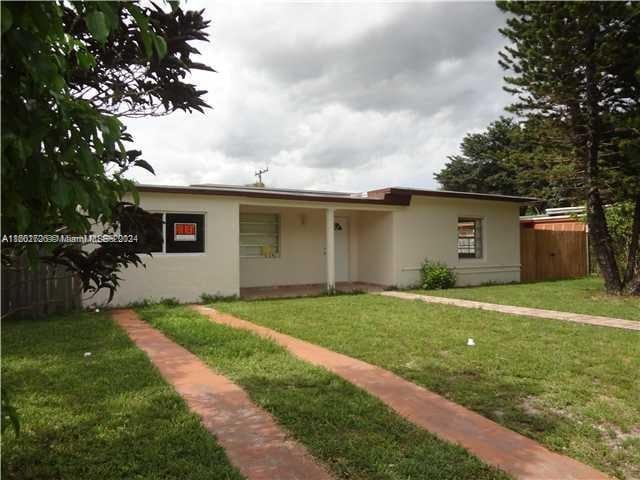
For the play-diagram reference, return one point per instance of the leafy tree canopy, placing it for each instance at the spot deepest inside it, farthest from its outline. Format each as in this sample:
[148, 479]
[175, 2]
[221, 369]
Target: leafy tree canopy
[512, 158]
[70, 71]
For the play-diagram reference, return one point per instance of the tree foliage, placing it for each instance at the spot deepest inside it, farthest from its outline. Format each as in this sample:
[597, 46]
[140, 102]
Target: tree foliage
[70, 71]
[515, 158]
[577, 64]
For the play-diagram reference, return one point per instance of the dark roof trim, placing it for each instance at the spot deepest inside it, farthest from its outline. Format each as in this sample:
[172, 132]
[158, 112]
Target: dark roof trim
[401, 191]
[281, 195]
[384, 196]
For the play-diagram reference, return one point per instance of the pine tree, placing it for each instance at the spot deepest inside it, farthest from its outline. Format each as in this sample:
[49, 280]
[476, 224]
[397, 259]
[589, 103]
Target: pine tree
[578, 64]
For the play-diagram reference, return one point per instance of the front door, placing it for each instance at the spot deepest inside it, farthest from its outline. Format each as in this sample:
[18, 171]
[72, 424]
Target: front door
[341, 231]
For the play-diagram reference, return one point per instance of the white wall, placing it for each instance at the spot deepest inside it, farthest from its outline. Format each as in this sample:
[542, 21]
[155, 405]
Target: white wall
[186, 275]
[375, 247]
[428, 228]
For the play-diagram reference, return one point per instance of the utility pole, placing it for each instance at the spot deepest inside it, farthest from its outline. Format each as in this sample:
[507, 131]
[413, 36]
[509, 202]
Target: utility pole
[259, 174]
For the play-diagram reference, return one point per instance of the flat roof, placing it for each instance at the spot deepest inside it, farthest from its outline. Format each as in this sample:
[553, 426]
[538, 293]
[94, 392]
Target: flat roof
[382, 196]
[425, 192]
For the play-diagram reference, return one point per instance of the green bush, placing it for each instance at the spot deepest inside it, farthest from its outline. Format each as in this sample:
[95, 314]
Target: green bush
[437, 275]
[214, 298]
[169, 302]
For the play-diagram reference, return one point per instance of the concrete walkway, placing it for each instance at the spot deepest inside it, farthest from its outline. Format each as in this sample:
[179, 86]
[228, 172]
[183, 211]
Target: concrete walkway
[254, 443]
[509, 451]
[528, 312]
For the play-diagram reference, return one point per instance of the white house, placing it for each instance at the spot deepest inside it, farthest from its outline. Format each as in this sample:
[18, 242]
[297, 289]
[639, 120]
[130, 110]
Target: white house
[222, 239]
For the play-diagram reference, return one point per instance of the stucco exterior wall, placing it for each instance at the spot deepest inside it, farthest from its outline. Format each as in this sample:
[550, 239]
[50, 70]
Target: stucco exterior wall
[375, 247]
[428, 228]
[186, 276]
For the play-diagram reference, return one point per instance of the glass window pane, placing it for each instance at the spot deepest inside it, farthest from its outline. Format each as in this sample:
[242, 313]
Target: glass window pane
[469, 238]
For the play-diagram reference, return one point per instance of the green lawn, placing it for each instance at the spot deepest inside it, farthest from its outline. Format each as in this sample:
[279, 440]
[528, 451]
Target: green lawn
[584, 295]
[574, 388]
[107, 416]
[353, 433]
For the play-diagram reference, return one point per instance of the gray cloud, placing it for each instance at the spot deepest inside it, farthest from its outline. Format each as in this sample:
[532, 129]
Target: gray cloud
[425, 58]
[333, 96]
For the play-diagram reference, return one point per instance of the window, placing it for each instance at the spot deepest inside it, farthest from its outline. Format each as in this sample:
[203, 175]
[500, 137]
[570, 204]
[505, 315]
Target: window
[184, 232]
[469, 238]
[259, 235]
[150, 235]
[169, 233]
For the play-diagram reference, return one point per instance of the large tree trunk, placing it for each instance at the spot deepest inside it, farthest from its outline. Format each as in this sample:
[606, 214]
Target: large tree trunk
[602, 243]
[632, 275]
[598, 229]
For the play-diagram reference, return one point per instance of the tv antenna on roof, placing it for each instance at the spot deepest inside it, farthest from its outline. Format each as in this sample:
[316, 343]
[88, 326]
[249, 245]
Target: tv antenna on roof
[259, 174]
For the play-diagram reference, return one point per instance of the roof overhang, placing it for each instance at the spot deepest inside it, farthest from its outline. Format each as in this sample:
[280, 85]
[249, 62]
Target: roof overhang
[384, 196]
[402, 191]
[248, 192]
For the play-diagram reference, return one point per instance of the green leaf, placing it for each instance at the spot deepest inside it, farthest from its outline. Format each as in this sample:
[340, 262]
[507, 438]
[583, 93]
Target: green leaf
[111, 130]
[97, 25]
[7, 19]
[143, 24]
[88, 163]
[57, 83]
[111, 15]
[85, 60]
[147, 41]
[161, 46]
[61, 195]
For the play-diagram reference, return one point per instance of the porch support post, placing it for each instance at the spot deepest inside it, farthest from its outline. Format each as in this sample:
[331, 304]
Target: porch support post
[331, 263]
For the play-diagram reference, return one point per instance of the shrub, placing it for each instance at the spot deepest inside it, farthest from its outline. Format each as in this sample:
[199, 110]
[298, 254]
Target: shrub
[214, 298]
[144, 303]
[437, 275]
[169, 302]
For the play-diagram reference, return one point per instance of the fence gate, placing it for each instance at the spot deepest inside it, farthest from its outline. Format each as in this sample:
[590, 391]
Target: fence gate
[552, 254]
[38, 291]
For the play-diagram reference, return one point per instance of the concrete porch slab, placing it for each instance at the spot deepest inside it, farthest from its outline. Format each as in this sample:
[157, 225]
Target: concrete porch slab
[309, 290]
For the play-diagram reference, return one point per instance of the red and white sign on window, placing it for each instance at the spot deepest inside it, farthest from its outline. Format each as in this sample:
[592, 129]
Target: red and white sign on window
[184, 232]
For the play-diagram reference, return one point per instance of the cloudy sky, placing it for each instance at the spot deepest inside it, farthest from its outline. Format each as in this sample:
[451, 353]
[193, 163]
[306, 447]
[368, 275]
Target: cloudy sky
[332, 96]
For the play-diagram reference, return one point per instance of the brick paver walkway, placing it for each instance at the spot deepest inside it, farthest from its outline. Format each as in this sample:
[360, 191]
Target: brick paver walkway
[528, 312]
[511, 452]
[253, 441]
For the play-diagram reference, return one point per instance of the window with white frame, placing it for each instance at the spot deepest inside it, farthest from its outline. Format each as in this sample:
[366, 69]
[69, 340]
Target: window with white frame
[469, 238]
[259, 235]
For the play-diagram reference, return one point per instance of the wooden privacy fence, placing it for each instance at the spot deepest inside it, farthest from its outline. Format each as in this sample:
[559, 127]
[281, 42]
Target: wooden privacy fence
[39, 291]
[552, 254]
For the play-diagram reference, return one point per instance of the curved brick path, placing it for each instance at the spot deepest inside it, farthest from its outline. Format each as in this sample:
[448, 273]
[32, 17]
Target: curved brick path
[526, 311]
[253, 441]
[511, 452]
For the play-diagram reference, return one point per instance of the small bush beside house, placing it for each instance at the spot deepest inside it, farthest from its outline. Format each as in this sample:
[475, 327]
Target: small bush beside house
[437, 275]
